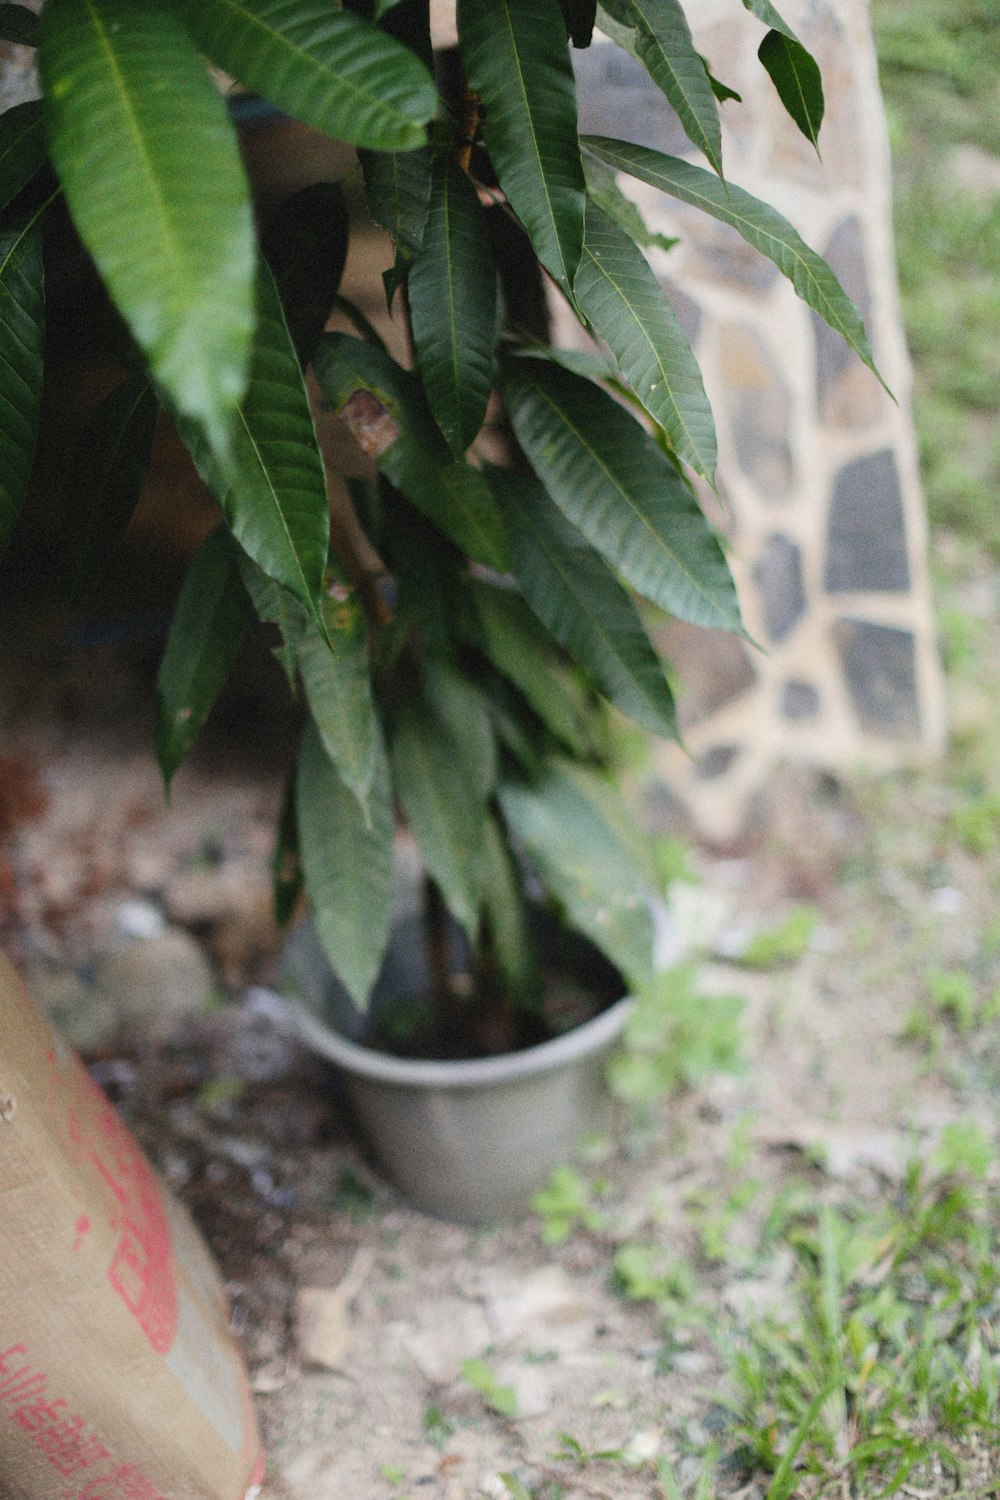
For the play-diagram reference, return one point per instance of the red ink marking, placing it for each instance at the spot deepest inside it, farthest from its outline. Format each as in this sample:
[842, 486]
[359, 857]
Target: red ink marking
[142, 1266]
[82, 1230]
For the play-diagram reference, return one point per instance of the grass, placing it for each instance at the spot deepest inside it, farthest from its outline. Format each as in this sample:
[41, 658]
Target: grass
[939, 75]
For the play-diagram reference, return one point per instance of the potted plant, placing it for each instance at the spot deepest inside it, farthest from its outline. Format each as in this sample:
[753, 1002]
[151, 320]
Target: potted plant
[462, 622]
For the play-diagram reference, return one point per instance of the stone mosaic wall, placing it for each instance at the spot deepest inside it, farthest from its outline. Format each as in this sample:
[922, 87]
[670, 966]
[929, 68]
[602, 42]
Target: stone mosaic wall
[819, 493]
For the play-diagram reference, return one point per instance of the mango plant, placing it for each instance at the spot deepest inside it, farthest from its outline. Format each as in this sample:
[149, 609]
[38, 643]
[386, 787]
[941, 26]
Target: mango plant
[462, 630]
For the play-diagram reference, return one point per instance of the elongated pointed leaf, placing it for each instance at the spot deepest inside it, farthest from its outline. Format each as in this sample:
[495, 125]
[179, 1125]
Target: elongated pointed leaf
[453, 295]
[614, 484]
[506, 919]
[338, 689]
[759, 224]
[325, 66]
[286, 865]
[603, 189]
[663, 45]
[579, 16]
[306, 247]
[564, 826]
[796, 76]
[109, 468]
[22, 341]
[334, 668]
[765, 11]
[577, 597]
[346, 864]
[152, 174]
[386, 410]
[22, 147]
[444, 766]
[273, 494]
[205, 635]
[18, 24]
[517, 61]
[625, 304]
[398, 188]
[520, 650]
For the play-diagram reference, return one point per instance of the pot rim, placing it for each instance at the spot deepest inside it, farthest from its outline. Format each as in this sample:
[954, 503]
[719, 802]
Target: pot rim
[464, 1073]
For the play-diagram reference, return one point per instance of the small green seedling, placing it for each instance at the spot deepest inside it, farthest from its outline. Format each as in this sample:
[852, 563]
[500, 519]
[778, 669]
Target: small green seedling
[437, 1428]
[674, 1037]
[565, 1204]
[392, 1473]
[784, 944]
[498, 1397]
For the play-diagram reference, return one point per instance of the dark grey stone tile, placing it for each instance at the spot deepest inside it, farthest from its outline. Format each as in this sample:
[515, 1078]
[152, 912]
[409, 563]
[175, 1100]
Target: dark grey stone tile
[778, 576]
[866, 535]
[879, 664]
[799, 700]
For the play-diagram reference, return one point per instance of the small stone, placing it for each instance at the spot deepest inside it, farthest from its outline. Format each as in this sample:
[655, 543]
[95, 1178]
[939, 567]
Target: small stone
[157, 987]
[799, 700]
[322, 1326]
[533, 1387]
[451, 1331]
[546, 1306]
[79, 1012]
[138, 919]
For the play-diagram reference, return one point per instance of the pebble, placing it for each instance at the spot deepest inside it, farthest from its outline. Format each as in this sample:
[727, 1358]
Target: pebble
[450, 1332]
[157, 986]
[547, 1307]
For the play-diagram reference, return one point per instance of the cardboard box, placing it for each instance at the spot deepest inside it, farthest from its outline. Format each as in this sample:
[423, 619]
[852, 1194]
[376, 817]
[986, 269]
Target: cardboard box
[119, 1376]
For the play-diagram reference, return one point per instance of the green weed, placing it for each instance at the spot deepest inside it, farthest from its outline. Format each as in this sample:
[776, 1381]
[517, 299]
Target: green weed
[499, 1398]
[566, 1203]
[676, 1036]
[784, 944]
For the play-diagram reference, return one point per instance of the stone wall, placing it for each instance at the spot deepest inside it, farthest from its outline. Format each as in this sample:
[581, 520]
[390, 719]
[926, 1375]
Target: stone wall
[819, 493]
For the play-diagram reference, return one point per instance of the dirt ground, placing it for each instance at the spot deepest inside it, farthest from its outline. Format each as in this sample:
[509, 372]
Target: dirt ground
[360, 1383]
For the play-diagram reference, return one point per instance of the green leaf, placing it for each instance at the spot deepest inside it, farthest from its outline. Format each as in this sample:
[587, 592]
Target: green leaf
[107, 475]
[22, 146]
[337, 683]
[759, 224]
[517, 62]
[453, 294]
[523, 653]
[333, 662]
[625, 304]
[796, 76]
[391, 421]
[286, 864]
[614, 484]
[722, 91]
[563, 825]
[305, 245]
[603, 189]
[324, 66]
[444, 764]
[205, 636]
[18, 24]
[151, 170]
[506, 920]
[22, 342]
[347, 865]
[398, 188]
[765, 11]
[577, 597]
[663, 45]
[579, 16]
[273, 494]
